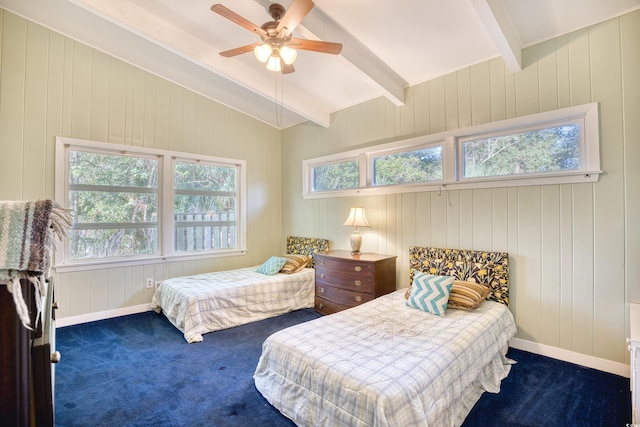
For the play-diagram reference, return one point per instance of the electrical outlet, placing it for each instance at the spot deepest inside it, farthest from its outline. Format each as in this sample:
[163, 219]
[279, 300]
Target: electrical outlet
[149, 282]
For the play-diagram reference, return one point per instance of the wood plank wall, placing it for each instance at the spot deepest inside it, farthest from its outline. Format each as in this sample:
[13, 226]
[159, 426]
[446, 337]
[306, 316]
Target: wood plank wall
[53, 86]
[575, 250]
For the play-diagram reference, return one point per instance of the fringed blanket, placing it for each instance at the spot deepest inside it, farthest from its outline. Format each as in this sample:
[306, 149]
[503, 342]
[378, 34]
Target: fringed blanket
[28, 232]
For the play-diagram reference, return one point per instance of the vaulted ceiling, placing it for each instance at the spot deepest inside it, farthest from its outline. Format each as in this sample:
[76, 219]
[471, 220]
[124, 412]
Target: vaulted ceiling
[387, 45]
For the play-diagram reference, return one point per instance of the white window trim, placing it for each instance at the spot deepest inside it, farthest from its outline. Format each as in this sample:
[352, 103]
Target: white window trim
[165, 205]
[589, 170]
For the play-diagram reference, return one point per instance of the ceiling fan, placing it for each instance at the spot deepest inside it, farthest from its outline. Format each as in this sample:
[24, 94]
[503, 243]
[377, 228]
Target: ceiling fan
[277, 48]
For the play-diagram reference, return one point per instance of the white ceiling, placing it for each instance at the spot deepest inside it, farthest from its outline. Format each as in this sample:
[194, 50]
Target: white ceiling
[387, 45]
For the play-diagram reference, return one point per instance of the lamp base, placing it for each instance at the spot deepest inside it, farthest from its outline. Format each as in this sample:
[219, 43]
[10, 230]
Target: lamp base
[356, 242]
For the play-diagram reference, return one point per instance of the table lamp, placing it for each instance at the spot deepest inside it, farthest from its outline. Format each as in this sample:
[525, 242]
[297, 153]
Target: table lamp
[356, 219]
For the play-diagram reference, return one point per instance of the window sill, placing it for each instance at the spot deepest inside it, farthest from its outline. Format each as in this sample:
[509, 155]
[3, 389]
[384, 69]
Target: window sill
[128, 262]
[577, 177]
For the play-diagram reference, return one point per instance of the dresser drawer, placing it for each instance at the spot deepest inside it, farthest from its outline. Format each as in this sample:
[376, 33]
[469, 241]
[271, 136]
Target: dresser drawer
[346, 267]
[341, 296]
[324, 306]
[354, 282]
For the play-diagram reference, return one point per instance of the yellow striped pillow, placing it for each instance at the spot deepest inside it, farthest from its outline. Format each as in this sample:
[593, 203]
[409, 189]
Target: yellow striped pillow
[294, 263]
[467, 295]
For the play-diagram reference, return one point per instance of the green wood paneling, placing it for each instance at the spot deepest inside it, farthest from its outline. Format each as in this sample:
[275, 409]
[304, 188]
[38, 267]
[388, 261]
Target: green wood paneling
[629, 37]
[12, 104]
[35, 111]
[609, 233]
[550, 267]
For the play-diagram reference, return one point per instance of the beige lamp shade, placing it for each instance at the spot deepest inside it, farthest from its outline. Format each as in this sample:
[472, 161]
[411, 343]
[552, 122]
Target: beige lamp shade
[356, 219]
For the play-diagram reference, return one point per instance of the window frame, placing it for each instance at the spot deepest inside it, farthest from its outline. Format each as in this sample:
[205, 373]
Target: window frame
[166, 221]
[588, 171]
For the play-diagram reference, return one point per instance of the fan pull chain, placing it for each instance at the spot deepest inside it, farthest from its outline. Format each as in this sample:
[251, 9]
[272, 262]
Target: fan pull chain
[280, 102]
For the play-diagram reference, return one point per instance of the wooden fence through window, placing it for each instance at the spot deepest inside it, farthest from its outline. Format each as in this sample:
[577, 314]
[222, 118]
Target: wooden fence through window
[205, 231]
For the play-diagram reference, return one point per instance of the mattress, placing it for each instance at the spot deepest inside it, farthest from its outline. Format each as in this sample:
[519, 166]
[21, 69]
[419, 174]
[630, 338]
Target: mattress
[386, 364]
[213, 301]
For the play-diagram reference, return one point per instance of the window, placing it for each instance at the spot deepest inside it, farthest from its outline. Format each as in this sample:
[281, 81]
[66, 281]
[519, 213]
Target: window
[135, 205]
[536, 151]
[560, 146]
[335, 176]
[406, 167]
[115, 203]
[204, 205]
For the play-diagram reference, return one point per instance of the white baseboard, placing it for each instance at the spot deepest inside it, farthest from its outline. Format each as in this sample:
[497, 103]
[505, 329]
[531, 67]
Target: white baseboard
[572, 357]
[101, 315]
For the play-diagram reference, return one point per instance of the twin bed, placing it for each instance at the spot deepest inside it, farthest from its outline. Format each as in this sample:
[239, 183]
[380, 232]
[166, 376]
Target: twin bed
[209, 302]
[382, 363]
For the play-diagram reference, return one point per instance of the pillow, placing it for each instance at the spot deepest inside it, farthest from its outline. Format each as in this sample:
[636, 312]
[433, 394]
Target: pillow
[294, 263]
[272, 265]
[430, 293]
[467, 295]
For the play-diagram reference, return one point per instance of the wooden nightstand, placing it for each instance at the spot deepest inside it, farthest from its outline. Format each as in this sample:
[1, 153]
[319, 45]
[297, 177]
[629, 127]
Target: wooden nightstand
[344, 280]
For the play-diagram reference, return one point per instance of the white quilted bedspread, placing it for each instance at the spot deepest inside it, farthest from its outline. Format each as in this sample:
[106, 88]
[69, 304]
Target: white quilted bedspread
[223, 299]
[386, 364]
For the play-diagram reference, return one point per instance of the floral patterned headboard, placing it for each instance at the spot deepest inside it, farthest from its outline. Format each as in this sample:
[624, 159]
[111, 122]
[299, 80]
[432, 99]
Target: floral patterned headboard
[306, 246]
[488, 268]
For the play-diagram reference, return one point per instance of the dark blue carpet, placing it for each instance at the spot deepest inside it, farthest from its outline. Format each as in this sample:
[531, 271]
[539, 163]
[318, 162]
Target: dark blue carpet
[139, 371]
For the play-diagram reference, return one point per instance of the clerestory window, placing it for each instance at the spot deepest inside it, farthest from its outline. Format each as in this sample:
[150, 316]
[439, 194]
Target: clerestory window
[560, 146]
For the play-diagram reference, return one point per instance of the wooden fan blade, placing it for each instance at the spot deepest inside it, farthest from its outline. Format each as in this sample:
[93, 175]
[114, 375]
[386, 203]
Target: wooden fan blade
[316, 46]
[286, 69]
[240, 50]
[294, 15]
[232, 16]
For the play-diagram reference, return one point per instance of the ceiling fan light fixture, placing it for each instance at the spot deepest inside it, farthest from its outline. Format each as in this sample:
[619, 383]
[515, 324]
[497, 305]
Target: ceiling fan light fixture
[273, 63]
[263, 52]
[288, 54]
[276, 35]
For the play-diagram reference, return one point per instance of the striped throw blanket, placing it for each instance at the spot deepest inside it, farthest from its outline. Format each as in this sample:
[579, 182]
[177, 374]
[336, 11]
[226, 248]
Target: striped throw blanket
[28, 232]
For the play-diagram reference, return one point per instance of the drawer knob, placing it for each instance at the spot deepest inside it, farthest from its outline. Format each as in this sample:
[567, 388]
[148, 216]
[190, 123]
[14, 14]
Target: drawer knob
[321, 306]
[322, 275]
[55, 357]
[321, 262]
[322, 290]
[357, 268]
[358, 298]
[357, 283]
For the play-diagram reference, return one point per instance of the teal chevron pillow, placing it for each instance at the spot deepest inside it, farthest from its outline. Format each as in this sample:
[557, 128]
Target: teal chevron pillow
[272, 265]
[430, 293]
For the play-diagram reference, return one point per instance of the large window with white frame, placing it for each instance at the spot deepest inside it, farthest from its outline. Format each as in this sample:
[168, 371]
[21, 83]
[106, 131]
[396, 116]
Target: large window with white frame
[114, 198]
[560, 146]
[138, 205]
